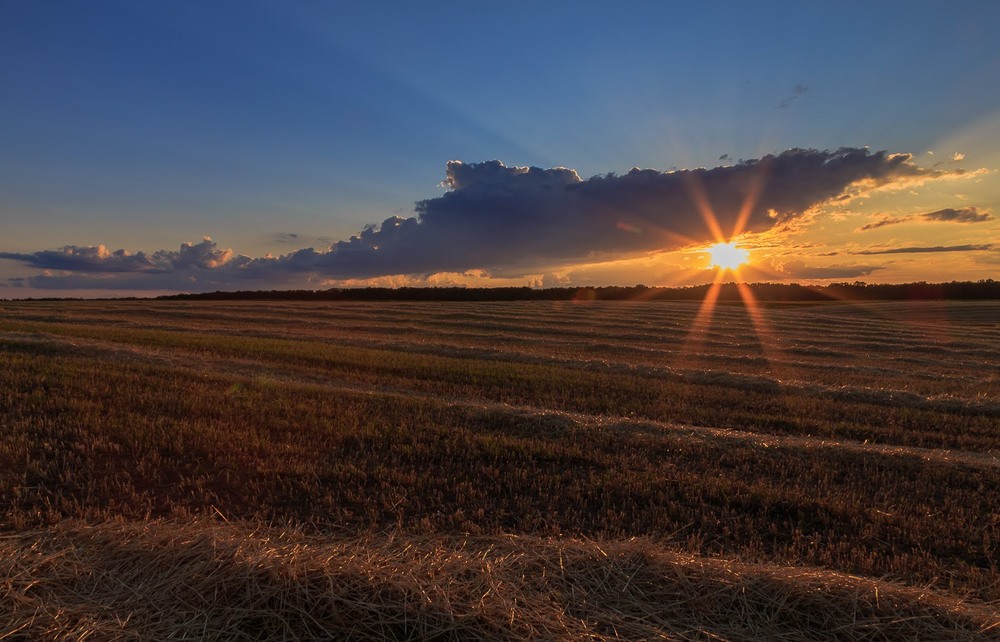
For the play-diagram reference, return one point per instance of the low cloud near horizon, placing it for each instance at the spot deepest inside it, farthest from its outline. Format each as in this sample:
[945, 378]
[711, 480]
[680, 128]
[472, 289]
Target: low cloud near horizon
[519, 220]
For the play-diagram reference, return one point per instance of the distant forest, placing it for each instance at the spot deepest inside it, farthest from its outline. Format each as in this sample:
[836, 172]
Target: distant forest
[857, 291]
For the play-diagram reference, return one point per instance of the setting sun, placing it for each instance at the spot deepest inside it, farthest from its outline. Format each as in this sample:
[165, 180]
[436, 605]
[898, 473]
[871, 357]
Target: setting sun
[726, 256]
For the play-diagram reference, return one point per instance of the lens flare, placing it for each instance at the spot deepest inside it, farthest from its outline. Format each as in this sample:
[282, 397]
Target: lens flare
[727, 256]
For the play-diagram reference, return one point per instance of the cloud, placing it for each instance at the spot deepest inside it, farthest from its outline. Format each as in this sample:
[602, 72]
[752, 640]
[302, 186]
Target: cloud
[948, 215]
[799, 270]
[294, 238]
[97, 259]
[498, 216]
[797, 91]
[958, 156]
[523, 220]
[86, 259]
[882, 222]
[936, 248]
[285, 237]
[194, 266]
[962, 215]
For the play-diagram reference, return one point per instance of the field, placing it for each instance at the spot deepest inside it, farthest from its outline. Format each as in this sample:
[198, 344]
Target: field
[553, 470]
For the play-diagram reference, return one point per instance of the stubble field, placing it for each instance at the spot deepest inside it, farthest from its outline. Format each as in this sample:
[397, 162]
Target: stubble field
[641, 470]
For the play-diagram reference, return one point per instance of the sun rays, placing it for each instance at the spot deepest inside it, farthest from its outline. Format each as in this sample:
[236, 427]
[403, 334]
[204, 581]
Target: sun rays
[728, 257]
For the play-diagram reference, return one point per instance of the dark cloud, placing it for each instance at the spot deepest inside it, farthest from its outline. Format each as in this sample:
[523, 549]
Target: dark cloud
[963, 215]
[195, 266]
[97, 259]
[498, 216]
[937, 248]
[516, 220]
[86, 259]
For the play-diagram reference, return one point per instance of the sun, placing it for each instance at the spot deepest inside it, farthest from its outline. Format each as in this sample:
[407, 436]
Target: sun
[726, 256]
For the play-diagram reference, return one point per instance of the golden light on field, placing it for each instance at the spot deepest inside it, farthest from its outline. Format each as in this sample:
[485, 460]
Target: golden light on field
[728, 256]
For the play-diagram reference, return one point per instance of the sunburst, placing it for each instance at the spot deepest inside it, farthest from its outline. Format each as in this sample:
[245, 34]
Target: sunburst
[728, 256]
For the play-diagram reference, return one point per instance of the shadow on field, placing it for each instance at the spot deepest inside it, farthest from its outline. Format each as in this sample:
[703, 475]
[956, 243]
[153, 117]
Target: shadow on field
[210, 580]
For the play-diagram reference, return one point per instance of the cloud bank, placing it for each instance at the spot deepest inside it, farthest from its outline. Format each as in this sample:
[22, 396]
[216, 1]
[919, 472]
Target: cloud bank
[514, 220]
[500, 217]
[200, 256]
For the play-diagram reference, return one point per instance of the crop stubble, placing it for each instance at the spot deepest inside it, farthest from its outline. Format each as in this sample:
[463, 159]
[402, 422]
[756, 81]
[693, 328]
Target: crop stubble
[857, 439]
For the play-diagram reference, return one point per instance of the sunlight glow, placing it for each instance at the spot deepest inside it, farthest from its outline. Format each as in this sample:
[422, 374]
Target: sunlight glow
[727, 256]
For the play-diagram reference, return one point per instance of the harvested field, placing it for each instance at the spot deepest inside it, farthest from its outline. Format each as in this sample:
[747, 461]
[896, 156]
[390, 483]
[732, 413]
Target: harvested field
[499, 470]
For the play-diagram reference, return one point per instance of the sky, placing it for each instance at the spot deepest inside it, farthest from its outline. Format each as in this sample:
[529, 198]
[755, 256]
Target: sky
[186, 146]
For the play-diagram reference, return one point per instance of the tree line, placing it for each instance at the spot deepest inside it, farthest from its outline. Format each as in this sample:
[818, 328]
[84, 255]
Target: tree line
[774, 292]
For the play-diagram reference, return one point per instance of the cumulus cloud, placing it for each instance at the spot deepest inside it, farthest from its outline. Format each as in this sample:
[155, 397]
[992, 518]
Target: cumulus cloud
[499, 216]
[936, 248]
[195, 266]
[518, 220]
[86, 259]
[97, 259]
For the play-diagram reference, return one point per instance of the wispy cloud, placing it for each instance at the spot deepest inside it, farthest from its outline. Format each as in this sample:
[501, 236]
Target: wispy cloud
[297, 239]
[936, 248]
[285, 237]
[797, 91]
[962, 215]
[947, 215]
[883, 222]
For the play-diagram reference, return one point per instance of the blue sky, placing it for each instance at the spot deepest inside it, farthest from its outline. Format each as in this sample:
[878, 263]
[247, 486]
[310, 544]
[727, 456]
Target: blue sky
[275, 127]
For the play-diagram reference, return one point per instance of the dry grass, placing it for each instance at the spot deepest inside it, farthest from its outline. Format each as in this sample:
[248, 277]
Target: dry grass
[498, 471]
[210, 580]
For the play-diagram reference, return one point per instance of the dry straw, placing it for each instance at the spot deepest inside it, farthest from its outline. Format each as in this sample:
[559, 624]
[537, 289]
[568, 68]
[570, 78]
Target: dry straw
[225, 581]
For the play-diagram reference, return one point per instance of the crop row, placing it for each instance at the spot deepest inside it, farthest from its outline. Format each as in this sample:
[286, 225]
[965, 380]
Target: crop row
[109, 421]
